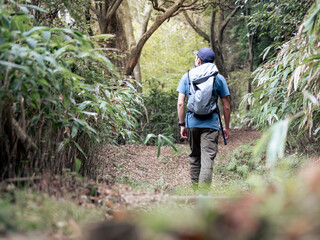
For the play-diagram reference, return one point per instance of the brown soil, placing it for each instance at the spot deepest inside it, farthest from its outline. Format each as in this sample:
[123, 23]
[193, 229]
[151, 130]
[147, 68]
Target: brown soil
[135, 172]
[139, 164]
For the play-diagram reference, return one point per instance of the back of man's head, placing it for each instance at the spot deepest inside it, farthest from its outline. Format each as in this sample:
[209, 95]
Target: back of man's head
[206, 55]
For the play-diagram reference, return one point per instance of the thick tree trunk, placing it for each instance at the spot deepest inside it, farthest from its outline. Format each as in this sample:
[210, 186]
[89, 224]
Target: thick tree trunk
[128, 28]
[109, 22]
[215, 36]
[217, 27]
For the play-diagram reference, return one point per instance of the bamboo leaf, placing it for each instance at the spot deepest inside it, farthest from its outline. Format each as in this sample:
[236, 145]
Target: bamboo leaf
[79, 148]
[115, 165]
[266, 51]
[75, 128]
[78, 164]
[34, 7]
[10, 64]
[168, 141]
[84, 104]
[312, 98]
[61, 145]
[25, 34]
[90, 113]
[60, 51]
[149, 136]
[46, 35]
[38, 57]
[159, 145]
[276, 146]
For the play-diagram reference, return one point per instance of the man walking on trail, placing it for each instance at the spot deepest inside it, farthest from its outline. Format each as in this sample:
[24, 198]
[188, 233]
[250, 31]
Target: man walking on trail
[202, 132]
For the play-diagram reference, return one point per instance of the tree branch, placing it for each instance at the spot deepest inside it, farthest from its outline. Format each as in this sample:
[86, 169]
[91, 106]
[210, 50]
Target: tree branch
[196, 28]
[190, 4]
[23, 179]
[145, 21]
[136, 50]
[95, 11]
[155, 6]
[225, 23]
[113, 9]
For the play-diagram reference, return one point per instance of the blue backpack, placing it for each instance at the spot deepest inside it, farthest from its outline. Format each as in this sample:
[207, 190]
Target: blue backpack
[203, 100]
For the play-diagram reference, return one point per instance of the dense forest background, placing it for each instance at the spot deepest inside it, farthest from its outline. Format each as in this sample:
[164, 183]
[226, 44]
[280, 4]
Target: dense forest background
[89, 86]
[75, 74]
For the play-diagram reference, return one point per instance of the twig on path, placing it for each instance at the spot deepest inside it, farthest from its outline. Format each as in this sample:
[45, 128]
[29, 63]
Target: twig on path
[22, 179]
[197, 198]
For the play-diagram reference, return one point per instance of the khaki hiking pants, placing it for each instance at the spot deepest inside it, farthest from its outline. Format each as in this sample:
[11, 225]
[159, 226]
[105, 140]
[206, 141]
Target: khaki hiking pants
[204, 147]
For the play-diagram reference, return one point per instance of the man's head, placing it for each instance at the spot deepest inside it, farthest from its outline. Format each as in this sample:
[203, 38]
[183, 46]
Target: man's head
[206, 55]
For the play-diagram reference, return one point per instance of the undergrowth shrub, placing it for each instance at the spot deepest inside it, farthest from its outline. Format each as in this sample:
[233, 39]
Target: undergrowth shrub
[160, 114]
[239, 164]
[58, 98]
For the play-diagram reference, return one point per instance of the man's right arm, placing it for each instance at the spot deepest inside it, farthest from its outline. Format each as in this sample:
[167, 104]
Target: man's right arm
[183, 129]
[226, 114]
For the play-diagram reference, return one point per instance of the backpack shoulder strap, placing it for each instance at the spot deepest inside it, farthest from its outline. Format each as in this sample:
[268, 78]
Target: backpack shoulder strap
[189, 82]
[214, 84]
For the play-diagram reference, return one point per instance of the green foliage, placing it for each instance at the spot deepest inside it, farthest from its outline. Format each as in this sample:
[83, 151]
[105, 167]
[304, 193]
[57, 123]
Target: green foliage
[168, 55]
[273, 22]
[274, 139]
[161, 114]
[162, 140]
[237, 84]
[236, 41]
[283, 17]
[241, 163]
[62, 13]
[288, 83]
[58, 96]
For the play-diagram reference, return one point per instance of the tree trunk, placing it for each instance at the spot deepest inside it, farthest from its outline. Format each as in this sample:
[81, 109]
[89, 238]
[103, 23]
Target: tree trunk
[145, 20]
[109, 22]
[143, 29]
[215, 36]
[217, 27]
[128, 28]
[251, 57]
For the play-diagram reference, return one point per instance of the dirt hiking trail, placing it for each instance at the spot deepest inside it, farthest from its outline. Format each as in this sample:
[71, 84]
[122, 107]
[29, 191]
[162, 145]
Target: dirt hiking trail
[141, 177]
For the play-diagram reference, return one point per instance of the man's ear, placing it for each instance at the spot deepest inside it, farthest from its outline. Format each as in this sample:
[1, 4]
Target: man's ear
[198, 61]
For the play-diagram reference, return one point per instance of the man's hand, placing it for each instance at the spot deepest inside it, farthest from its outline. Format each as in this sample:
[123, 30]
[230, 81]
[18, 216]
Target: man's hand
[183, 132]
[226, 133]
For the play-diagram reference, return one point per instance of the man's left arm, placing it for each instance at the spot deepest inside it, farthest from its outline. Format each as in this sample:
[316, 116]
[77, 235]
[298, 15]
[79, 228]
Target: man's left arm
[183, 130]
[226, 114]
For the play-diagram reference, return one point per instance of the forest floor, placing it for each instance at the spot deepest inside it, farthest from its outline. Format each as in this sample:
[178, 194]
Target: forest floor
[134, 179]
[141, 177]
